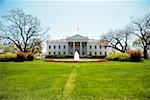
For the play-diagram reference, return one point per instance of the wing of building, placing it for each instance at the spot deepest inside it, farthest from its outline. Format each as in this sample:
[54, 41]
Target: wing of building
[83, 45]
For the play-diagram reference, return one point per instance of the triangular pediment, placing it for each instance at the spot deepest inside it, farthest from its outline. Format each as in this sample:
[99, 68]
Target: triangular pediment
[77, 37]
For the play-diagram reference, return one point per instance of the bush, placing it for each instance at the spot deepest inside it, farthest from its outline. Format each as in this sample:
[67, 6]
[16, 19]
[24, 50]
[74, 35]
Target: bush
[135, 56]
[30, 57]
[118, 57]
[59, 56]
[7, 57]
[72, 56]
[24, 56]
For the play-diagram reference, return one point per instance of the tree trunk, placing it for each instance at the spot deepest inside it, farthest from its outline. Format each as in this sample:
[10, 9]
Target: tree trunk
[145, 54]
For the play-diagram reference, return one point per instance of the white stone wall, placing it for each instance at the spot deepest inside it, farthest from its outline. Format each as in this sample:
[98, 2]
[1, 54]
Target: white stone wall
[98, 50]
[57, 50]
[62, 43]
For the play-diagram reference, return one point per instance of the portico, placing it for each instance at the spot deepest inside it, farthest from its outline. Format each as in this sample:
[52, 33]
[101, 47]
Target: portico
[77, 43]
[80, 46]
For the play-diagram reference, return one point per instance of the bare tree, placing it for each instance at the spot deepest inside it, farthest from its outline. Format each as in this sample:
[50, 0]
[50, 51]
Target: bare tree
[141, 28]
[20, 29]
[119, 39]
[35, 45]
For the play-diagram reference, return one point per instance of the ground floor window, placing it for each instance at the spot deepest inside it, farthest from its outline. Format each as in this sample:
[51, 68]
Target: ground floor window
[95, 53]
[90, 53]
[100, 53]
[82, 53]
[54, 53]
[49, 53]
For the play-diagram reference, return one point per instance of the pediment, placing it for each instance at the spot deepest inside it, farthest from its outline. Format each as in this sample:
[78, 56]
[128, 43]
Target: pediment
[77, 37]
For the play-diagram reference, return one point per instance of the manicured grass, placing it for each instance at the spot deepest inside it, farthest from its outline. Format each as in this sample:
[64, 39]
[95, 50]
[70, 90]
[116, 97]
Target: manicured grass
[40, 80]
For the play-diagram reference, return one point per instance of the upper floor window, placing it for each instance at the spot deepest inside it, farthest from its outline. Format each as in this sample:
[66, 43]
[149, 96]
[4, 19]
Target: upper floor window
[90, 47]
[54, 46]
[95, 46]
[100, 46]
[64, 46]
[49, 47]
[59, 46]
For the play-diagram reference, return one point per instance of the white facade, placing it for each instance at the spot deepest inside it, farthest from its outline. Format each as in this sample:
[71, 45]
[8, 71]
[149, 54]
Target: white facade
[78, 43]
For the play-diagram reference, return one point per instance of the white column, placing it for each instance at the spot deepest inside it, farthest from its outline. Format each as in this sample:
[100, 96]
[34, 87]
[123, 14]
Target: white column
[73, 47]
[67, 48]
[80, 48]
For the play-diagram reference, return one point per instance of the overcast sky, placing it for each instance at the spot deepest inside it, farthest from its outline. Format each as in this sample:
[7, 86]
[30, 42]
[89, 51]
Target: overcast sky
[92, 17]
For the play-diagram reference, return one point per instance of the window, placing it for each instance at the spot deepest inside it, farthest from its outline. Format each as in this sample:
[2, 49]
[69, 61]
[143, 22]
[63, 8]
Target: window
[64, 52]
[95, 53]
[49, 53]
[54, 53]
[90, 53]
[90, 47]
[59, 47]
[105, 53]
[59, 53]
[82, 53]
[100, 46]
[54, 46]
[83, 46]
[100, 53]
[105, 47]
[49, 47]
[64, 46]
[95, 46]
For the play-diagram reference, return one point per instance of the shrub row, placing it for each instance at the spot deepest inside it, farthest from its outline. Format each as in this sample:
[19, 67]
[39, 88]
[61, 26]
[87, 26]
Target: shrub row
[7, 57]
[59, 56]
[118, 57]
[135, 56]
[132, 55]
[71, 56]
[19, 57]
[24, 56]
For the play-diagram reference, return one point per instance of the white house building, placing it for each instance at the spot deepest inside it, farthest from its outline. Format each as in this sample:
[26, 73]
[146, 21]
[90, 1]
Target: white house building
[83, 45]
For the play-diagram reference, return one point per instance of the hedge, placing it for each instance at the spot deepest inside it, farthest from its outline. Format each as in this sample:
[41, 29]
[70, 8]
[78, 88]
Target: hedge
[135, 55]
[24, 56]
[7, 57]
[19, 57]
[132, 55]
[72, 56]
[118, 57]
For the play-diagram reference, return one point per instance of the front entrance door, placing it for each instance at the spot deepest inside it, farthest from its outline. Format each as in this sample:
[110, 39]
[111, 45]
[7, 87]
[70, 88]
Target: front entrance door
[77, 46]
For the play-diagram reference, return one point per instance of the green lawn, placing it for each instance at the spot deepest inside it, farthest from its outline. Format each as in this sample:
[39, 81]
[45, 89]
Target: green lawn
[40, 80]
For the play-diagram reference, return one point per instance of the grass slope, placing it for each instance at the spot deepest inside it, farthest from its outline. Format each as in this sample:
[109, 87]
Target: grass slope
[40, 80]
